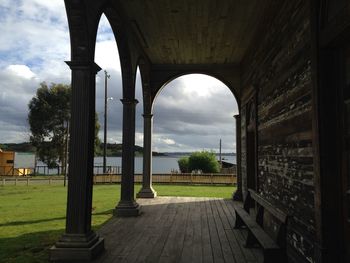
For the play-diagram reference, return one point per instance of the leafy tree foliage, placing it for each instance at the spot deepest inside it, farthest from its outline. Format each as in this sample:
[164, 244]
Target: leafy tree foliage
[204, 161]
[98, 148]
[183, 164]
[49, 116]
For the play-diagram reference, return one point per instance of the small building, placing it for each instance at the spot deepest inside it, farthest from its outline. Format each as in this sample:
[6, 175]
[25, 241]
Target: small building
[7, 160]
[7, 168]
[228, 168]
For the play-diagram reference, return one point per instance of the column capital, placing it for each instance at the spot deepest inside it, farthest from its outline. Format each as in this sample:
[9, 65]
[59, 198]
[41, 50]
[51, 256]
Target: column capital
[127, 101]
[147, 115]
[83, 65]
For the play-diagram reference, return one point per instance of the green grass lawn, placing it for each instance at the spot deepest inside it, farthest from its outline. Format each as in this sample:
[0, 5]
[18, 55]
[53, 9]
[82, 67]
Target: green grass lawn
[33, 217]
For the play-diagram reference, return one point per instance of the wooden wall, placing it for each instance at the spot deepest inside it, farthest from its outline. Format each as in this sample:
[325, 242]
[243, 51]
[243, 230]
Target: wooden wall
[278, 67]
[243, 151]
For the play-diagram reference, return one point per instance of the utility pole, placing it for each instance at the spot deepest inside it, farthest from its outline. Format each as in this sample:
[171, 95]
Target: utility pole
[105, 124]
[220, 154]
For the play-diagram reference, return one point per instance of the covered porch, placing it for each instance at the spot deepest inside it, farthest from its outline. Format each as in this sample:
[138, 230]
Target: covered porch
[178, 229]
[288, 65]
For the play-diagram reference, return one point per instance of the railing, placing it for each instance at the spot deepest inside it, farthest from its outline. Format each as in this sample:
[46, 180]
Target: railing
[173, 178]
[229, 179]
[44, 170]
[20, 180]
[98, 169]
[6, 170]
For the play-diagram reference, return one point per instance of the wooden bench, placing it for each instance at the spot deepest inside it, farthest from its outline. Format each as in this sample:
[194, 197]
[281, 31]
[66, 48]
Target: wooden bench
[273, 248]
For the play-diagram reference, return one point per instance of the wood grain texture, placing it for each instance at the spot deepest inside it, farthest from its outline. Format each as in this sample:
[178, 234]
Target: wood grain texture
[177, 229]
[280, 69]
[193, 31]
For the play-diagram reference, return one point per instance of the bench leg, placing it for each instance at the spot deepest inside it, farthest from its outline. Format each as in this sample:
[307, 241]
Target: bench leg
[239, 222]
[274, 256]
[251, 240]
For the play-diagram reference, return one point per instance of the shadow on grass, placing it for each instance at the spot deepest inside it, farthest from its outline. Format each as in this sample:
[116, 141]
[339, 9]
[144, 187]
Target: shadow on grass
[31, 247]
[19, 223]
[34, 247]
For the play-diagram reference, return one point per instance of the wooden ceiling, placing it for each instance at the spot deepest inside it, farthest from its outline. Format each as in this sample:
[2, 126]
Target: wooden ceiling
[194, 31]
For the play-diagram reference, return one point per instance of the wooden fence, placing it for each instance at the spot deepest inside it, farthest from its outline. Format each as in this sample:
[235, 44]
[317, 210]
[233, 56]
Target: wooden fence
[229, 179]
[173, 178]
[11, 171]
[20, 180]
[42, 170]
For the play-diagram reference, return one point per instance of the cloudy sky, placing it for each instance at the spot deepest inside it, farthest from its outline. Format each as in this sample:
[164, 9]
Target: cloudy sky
[191, 113]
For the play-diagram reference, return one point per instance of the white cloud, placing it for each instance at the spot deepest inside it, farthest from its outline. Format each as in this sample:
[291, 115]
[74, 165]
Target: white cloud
[21, 71]
[201, 85]
[192, 112]
[139, 138]
[106, 55]
[169, 141]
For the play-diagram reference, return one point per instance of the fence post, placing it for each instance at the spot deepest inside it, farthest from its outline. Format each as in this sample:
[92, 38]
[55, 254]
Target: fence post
[16, 181]
[110, 178]
[191, 179]
[27, 181]
[49, 181]
[3, 181]
[211, 178]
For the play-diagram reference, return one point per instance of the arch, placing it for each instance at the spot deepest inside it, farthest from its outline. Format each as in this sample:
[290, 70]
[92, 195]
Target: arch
[175, 75]
[83, 28]
[215, 95]
[144, 69]
[128, 63]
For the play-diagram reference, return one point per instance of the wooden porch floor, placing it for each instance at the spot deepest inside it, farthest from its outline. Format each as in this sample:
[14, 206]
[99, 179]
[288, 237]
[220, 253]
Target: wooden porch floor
[177, 229]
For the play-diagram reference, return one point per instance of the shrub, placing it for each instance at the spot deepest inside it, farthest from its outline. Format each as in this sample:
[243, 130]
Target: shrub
[204, 161]
[183, 164]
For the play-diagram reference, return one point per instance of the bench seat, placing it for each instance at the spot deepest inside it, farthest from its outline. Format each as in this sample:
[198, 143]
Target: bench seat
[257, 236]
[273, 250]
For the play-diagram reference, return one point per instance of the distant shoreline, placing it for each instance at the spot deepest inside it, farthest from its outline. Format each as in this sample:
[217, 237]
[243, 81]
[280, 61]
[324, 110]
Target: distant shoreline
[113, 150]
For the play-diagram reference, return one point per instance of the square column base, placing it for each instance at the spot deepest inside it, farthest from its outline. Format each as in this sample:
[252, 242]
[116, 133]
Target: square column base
[146, 193]
[127, 209]
[65, 251]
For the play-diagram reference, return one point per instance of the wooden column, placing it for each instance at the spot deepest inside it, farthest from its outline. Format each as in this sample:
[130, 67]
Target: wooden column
[238, 196]
[80, 242]
[327, 79]
[127, 205]
[147, 190]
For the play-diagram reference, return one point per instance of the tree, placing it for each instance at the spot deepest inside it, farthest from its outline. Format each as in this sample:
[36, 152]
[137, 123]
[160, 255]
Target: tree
[49, 116]
[204, 161]
[183, 164]
[97, 147]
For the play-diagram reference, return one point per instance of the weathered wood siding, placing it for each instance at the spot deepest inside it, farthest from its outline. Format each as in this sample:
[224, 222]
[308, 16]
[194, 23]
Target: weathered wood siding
[243, 151]
[279, 67]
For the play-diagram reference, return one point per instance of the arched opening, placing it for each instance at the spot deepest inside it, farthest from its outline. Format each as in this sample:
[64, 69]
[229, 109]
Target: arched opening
[191, 105]
[138, 124]
[108, 95]
[193, 113]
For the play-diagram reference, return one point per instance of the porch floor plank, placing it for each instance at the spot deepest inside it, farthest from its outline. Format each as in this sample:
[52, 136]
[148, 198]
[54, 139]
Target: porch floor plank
[177, 229]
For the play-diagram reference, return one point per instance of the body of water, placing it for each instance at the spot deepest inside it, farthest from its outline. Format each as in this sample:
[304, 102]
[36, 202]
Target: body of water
[160, 164]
